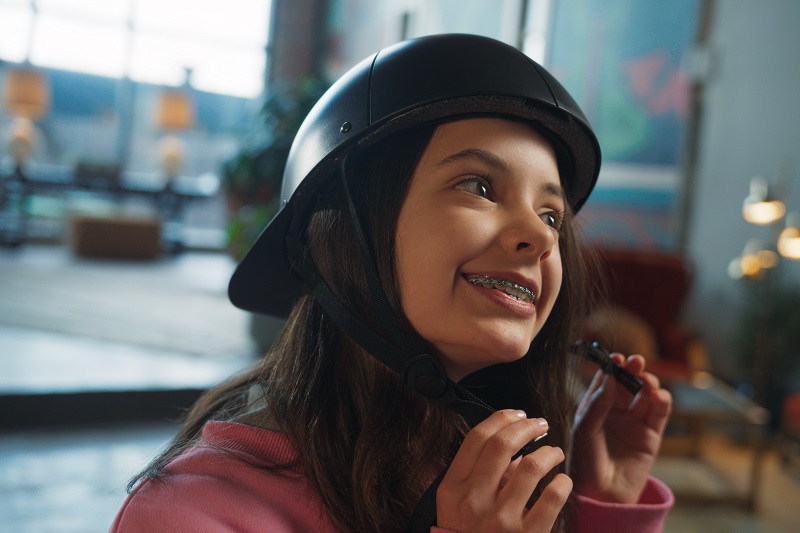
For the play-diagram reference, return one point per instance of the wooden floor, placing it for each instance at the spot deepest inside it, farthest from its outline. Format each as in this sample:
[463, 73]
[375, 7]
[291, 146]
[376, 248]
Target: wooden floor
[724, 469]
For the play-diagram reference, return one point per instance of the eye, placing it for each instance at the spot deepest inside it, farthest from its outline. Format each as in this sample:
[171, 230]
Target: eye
[553, 219]
[476, 185]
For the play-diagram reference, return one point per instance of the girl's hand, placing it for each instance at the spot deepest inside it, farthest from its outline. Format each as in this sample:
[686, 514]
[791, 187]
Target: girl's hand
[483, 490]
[615, 442]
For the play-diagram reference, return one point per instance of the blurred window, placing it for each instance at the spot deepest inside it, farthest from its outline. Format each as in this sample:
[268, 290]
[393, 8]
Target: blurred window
[15, 22]
[152, 41]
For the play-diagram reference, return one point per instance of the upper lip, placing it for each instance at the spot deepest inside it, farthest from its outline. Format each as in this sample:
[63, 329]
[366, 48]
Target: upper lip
[512, 277]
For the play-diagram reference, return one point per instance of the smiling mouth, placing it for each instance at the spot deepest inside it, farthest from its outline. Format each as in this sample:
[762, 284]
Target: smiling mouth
[516, 291]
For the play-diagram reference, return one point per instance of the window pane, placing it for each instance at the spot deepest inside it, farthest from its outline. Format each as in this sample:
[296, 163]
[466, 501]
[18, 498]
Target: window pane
[233, 21]
[14, 26]
[229, 70]
[75, 45]
[89, 10]
[223, 42]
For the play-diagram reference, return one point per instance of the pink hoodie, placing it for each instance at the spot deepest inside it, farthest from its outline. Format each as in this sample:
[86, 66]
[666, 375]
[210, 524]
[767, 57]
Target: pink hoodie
[209, 489]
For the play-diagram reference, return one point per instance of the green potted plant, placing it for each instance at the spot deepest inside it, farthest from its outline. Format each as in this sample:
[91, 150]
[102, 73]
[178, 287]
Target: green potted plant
[251, 178]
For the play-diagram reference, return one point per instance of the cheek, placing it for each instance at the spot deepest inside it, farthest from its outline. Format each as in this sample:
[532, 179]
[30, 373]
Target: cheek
[411, 258]
[428, 256]
[437, 242]
[552, 278]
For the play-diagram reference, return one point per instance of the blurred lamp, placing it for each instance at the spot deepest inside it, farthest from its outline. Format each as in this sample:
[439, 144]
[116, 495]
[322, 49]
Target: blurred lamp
[789, 241]
[175, 111]
[759, 207]
[753, 261]
[171, 149]
[27, 93]
[23, 139]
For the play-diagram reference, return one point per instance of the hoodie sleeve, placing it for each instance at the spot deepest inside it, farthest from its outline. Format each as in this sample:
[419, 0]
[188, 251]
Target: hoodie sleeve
[646, 516]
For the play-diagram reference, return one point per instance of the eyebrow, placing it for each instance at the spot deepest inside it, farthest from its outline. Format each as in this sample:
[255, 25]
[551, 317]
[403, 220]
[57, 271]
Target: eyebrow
[552, 189]
[474, 153]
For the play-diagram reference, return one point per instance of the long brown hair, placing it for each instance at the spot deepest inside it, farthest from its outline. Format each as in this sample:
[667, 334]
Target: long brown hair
[369, 446]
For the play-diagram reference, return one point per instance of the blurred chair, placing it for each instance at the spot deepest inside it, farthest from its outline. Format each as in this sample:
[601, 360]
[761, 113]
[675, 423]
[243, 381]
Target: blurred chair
[645, 292]
[98, 178]
[789, 435]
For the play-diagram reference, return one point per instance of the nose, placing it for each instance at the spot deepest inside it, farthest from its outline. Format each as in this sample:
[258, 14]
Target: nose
[526, 233]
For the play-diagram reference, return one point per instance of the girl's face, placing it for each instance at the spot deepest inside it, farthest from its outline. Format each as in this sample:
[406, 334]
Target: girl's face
[478, 261]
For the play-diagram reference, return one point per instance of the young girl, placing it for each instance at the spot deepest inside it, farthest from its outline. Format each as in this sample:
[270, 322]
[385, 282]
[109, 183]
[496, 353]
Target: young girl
[427, 262]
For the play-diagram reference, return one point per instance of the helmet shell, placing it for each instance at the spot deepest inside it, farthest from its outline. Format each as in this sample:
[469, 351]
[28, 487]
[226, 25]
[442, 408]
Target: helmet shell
[429, 79]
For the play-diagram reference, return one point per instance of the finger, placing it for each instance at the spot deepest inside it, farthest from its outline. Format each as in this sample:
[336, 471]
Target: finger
[544, 512]
[527, 475]
[634, 364]
[472, 447]
[598, 405]
[653, 405]
[501, 447]
[510, 470]
[651, 381]
[597, 380]
[650, 384]
[661, 406]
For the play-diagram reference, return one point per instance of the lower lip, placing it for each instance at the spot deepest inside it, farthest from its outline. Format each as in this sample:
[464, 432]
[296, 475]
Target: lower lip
[522, 309]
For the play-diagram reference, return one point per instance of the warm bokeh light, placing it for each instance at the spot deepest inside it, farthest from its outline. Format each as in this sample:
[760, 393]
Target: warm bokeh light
[767, 259]
[23, 139]
[763, 213]
[753, 261]
[759, 207]
[789, 242]
[750, 265]
[172, 153]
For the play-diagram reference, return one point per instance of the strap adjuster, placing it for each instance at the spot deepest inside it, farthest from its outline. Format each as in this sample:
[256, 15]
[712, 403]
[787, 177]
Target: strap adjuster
[424, 373]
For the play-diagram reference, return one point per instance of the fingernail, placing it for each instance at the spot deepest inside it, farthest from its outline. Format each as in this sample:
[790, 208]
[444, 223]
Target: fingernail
[520, 414]
[542, 422]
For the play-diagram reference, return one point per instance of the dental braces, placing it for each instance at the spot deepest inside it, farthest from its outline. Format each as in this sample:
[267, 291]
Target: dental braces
[485, 280]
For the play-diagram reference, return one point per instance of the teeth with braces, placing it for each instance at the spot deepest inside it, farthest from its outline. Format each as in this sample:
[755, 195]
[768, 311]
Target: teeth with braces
[512, 289]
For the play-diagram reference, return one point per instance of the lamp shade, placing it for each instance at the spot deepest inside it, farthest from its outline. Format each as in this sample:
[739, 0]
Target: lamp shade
[175, 111]
[27, 93]
[759, 207]
[789, 241]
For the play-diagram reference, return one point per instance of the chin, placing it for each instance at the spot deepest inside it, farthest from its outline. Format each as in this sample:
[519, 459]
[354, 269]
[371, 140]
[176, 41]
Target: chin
[509, 355]
[507, 348]
[477, 358]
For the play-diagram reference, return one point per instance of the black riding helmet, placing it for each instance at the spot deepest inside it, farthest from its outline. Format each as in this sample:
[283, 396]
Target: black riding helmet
[416, 82]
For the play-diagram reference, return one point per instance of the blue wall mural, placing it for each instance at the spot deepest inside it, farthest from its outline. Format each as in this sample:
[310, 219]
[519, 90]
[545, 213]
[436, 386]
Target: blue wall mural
[624, 61]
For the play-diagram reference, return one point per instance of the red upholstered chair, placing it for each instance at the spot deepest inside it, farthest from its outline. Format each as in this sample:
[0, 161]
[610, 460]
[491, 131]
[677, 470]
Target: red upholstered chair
[789, 436]
[646, 293]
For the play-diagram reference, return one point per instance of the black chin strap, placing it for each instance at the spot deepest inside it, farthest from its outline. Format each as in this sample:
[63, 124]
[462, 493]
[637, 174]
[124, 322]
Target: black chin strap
[405, 353]
[420, 370]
